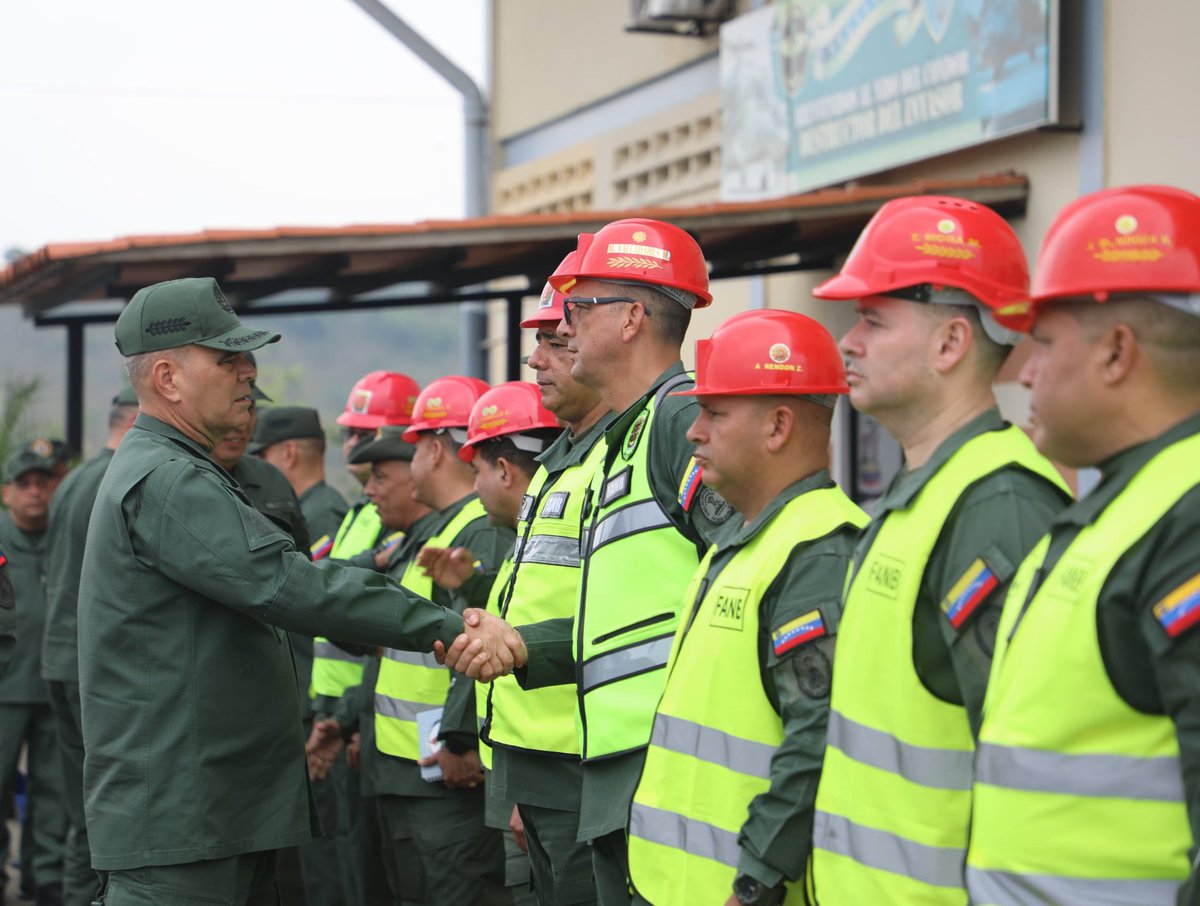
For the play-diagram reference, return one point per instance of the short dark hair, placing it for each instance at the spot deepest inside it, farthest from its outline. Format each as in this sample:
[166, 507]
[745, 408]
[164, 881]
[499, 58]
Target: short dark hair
[497, 448]
[668, 319]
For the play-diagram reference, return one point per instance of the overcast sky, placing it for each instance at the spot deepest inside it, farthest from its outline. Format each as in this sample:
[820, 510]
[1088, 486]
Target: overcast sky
[122, 117]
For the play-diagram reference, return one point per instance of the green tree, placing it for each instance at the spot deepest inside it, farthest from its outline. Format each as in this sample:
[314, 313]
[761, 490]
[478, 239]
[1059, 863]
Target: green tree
[15, 414]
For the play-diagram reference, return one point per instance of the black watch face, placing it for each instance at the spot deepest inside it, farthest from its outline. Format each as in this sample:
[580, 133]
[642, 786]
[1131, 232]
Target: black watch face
[747, 889]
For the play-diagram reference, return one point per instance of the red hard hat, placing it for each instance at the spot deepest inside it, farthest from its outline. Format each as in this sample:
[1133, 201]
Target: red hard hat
[509, 409]
[380, 398]
[1123, 240]
[939, 240]
[550, 305]
[768, 351]
[642, 251]
[445, 403]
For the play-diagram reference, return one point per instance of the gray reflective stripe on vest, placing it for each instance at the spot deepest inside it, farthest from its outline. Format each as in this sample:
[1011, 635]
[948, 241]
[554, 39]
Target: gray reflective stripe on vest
[618, 664]
[550, 550]
[999, 888]
[399, 708]
[1108, 776]
[693, 837]
[332, 652]
[415, 658]
[620, 523]
[936, 865]
[707, 744]
[944, 769]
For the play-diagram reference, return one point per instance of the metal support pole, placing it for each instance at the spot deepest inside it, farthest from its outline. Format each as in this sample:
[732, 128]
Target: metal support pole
[512, 332]
[75, 387]
[476, 168]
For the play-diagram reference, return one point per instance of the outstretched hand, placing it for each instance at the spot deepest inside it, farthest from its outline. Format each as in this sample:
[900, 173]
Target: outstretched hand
[448, 567]
[488, 647]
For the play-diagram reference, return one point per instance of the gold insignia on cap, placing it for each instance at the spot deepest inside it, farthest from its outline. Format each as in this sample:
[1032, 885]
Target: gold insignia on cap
[946, 226]
[1126, 224]
[779, 353]
[42, 447]
[639, 236]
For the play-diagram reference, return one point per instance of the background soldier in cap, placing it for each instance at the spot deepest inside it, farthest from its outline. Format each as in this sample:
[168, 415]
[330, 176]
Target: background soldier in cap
[195, 772]
[930, 571]
[290, 438]
[750, 670]
[25, 715]
[70, 509]
[1087, 773]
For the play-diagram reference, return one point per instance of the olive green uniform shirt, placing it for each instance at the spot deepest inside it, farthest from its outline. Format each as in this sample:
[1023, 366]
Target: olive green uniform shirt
[271, 494]
[190, 718]
[609, 784]
[8, 615]
[1152, 672]
[528, 777]
[324, 509]
[999, 518]
[22, 683]
[70, 509]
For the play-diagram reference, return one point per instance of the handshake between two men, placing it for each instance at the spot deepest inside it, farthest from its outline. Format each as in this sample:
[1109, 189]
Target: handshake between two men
[487, 648]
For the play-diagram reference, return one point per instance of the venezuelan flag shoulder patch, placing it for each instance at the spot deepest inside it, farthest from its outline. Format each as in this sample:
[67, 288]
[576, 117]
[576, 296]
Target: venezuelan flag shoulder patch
[797, 632]
[971, 590]
[690, 484]
[3, 559]
[1180, 610]
[321, 547]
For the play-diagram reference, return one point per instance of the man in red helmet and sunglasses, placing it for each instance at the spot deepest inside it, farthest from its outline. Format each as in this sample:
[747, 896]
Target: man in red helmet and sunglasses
[1087, 772]
[929, 574]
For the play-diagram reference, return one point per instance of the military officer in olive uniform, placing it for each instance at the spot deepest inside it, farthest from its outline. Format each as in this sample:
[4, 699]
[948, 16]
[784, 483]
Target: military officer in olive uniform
[70, 510]
[1086, 778]
[195, 772]
[8, 615]
[919, 617]
[25, 716]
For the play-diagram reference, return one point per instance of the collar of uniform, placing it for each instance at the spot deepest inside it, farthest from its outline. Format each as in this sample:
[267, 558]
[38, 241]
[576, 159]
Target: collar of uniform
[444, 516]
[741, 534]
[615, 432]
[1118, 470]
[310, 491]
[567, 451]
[154, 426]
[906, 485]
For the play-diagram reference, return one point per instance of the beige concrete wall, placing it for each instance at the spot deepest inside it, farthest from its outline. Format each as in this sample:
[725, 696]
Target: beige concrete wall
[585, 41]
[1151, 130]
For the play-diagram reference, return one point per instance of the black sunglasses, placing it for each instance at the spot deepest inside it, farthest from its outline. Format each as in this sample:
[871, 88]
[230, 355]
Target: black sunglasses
[359, 434]
[575, 301]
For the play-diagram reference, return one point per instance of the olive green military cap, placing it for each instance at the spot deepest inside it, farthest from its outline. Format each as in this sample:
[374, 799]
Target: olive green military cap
[182, 312]
[282, 423]
[387, 444]
[125, 396]
[36, 456]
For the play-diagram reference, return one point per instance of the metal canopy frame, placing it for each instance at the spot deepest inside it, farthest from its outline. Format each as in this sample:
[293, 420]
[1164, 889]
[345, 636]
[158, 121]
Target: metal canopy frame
[436, 263]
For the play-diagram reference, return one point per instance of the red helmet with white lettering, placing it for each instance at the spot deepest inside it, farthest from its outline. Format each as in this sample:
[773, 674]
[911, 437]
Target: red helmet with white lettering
[768, 351]
[936, 240]
[638, 250]
[509, 410]
[1133, 239]
[445, 403]
[380, 398]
